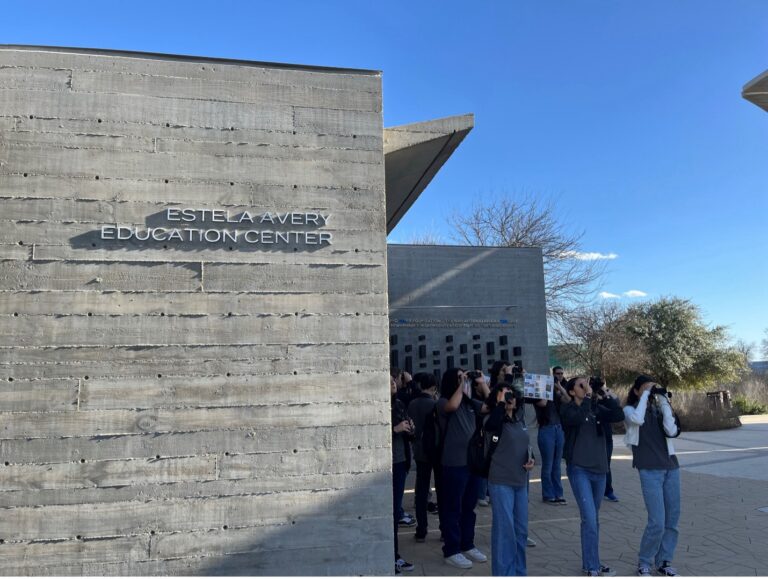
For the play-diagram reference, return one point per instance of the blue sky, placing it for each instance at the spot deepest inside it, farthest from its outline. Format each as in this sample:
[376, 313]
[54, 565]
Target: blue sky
[628, 115]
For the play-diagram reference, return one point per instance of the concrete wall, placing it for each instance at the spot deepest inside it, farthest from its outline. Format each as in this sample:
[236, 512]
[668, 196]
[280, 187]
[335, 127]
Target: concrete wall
[453, 306]
[190, 407]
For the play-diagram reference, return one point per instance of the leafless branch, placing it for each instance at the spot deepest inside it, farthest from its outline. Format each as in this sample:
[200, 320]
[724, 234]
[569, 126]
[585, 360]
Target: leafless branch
[528, 222]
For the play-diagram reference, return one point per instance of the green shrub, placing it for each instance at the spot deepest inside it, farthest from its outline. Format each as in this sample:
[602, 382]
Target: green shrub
[748, 406]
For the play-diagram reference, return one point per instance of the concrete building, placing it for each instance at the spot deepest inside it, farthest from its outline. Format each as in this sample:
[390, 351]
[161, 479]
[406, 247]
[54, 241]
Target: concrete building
[756, 91]
[194, 320]
[453, 306]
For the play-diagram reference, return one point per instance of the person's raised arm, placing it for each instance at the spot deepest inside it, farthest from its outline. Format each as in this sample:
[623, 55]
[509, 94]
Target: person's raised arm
[669, 423]
[636, 415]
[608, 410]
[453, 403]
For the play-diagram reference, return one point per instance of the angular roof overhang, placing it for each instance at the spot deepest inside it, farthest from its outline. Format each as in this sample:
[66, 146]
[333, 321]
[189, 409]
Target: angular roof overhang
[756, 91]
[413, 154]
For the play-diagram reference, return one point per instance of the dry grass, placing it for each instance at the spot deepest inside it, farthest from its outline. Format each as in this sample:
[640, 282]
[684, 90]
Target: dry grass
[696, 411]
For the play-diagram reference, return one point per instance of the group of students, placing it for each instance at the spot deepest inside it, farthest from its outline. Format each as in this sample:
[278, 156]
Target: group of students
[437, 431]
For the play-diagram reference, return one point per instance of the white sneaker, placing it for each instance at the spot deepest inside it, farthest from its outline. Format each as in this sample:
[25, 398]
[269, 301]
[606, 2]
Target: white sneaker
[459, 561]
[483, 503]
[476, 555]
[530, 542]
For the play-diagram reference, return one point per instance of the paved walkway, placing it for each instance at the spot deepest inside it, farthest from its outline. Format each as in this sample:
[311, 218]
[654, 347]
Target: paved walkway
[723, 530]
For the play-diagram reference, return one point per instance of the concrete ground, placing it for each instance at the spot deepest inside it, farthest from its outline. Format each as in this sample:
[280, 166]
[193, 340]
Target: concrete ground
[723, 527]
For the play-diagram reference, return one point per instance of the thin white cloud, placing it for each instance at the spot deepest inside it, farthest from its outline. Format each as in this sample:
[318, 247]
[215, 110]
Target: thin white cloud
[588, 255]
[608, 296]
[635, 294]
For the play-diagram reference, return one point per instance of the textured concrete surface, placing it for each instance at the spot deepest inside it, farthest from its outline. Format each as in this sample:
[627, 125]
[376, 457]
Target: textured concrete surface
[466, 305]
[723, 532]
[414, 153]
[756, 91]
[196, 407]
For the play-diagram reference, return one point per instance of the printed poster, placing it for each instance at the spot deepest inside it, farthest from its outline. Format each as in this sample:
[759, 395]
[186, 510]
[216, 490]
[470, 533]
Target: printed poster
[539, 386]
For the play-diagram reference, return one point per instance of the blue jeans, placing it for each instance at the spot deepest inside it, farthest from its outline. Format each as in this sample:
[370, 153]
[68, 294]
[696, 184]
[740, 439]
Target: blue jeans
[661, 493]
[456, 504]
[399, 474]
[509, 531]
[588, 488]
[551, 442]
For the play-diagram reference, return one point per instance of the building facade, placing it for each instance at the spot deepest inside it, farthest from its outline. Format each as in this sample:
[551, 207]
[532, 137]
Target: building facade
[467, 307]
[193, 317]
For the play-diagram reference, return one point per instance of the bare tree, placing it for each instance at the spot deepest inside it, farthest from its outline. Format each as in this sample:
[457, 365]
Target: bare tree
[745, 348]
[569, 275]
[764, 345]
[425, 238]
[594, 339]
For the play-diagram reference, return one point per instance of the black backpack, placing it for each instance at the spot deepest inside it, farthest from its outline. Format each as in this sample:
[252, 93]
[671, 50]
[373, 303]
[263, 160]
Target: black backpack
[433, 437]
[481, 447]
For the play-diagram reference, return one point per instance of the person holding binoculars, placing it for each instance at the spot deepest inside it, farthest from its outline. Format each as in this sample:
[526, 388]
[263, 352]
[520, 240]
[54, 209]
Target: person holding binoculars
[587, 462]
[651, 426]
[510, 463]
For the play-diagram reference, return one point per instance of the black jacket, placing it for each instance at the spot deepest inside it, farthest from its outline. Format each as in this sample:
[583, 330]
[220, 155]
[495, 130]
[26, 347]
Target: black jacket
[574, 415]
[400, 413]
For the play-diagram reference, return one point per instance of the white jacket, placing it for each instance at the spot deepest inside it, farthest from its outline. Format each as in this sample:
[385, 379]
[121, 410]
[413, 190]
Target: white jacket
[634, 418]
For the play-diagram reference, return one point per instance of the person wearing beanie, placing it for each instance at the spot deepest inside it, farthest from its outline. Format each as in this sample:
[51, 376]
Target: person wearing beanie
[651, 425]
[587, 462]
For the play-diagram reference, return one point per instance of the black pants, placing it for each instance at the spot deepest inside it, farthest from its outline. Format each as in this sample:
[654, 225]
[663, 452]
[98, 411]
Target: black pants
[609, 451]
[423, 478]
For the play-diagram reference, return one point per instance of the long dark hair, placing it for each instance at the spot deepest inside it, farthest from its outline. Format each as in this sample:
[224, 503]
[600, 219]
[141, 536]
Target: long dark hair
[450, 382]
[497, 366]
[633, 398]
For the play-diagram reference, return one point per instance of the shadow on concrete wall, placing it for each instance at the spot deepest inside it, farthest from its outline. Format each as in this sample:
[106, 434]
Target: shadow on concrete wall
[351, 535]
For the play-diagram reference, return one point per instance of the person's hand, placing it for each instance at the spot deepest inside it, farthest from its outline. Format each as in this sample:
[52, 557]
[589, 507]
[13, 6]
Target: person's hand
[481, 386]
[647, 386]
[529, 465]
[404, 426]
[500, 396]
